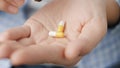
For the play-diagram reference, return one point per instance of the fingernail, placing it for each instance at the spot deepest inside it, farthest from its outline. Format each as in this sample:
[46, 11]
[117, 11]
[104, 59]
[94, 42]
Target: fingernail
[12, 9]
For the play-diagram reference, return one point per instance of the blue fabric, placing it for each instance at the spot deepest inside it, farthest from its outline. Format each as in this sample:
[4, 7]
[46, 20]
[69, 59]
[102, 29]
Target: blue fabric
[9, 20]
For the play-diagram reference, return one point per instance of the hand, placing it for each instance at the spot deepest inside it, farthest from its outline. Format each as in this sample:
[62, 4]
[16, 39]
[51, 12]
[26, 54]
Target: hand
[86, 25]
[10, 6]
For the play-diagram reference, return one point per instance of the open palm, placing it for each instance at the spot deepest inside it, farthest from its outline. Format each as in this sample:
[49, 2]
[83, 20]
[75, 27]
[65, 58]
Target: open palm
[30, 43]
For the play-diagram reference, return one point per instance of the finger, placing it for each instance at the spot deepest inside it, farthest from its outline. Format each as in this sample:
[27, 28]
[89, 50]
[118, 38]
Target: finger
[15, 33]
[7, 7]
[27, 41]
[36, 55]
[17, 3]
[7, 48]
[90, 36]
[39, 54]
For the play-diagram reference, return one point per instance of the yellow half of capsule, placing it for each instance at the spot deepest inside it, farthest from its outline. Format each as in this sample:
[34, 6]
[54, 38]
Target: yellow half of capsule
[60, 28]
[59, 34]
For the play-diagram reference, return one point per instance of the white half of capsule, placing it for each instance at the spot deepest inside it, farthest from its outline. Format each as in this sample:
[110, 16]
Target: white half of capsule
[61, 23]
[52, 33]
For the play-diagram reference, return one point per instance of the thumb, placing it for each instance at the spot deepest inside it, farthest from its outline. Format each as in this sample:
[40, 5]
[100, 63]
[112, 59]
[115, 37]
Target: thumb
[78, 48]
[91, 34]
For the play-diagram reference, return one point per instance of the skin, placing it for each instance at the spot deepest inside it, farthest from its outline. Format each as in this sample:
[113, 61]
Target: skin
[114, 14]
[86, 25]
[11, 6]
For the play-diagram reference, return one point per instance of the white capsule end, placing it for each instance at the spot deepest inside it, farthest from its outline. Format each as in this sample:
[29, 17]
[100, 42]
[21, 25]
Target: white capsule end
[52, 33]
[62, 23]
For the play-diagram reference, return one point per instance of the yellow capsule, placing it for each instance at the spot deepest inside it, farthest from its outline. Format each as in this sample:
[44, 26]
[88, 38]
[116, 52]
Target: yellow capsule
[59, 34]
[61, 26]
[56, 34]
